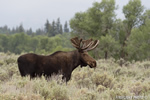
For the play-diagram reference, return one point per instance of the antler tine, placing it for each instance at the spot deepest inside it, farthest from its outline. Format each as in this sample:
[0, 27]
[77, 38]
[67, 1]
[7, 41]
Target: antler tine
[86, 44]
[93, 45]
[76, 42]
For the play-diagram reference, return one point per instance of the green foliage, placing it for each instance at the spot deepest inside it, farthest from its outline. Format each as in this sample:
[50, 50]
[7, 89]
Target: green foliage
[109, 47]
[138, 43]
[134, 18]
[121, 39]
[133, 13]
[115, 35]
[20, 42]
[66, 29]
[54, 28]
[96, 21]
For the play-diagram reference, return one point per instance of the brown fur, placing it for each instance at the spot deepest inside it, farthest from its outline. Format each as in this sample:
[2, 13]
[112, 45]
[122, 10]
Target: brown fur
[64, 62]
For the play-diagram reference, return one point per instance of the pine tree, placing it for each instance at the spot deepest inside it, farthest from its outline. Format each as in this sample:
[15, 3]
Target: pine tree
[29, 32]
[61, 29]
[53, 28]
[66, 29]
[13, 30]
[57, 26]
[48, 28]
[20, 28]
[40, 32]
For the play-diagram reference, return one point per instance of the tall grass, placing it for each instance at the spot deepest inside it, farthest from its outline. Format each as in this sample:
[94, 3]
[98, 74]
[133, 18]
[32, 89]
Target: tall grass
[109, 81]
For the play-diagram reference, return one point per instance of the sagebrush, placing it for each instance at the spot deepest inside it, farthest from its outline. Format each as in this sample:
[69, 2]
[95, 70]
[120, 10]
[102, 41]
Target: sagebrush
[109, 81]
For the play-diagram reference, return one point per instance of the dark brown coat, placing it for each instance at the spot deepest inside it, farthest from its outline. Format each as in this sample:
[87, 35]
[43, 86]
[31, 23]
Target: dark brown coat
[63, 62]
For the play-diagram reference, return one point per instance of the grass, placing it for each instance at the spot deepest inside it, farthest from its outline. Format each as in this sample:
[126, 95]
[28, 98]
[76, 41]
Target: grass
[109, 81]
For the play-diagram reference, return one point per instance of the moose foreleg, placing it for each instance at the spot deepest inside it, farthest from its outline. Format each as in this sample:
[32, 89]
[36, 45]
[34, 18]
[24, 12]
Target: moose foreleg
[66, 77]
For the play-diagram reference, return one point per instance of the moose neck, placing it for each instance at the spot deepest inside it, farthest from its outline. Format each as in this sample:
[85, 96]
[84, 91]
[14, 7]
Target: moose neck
[76, 59]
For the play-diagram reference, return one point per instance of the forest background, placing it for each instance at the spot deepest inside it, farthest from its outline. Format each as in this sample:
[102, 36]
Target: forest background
[127, 38]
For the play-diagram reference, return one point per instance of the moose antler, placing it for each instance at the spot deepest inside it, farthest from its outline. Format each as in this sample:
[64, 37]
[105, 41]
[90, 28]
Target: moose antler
[87, 45]
[93, 45]
[76, 42]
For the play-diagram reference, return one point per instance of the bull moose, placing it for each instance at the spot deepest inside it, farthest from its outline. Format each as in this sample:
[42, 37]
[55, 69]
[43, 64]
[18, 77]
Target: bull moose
[60, 61]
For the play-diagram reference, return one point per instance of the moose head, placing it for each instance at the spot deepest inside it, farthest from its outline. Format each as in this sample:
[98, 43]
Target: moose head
[83, 46]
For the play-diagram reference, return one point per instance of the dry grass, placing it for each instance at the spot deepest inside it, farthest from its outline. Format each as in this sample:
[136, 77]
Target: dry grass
[109, 81]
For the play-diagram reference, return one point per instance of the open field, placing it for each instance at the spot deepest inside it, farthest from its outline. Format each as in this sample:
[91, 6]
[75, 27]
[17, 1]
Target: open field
[109, 81]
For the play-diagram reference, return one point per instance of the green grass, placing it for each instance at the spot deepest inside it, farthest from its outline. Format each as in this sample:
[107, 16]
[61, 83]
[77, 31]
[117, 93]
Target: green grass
[109, 81]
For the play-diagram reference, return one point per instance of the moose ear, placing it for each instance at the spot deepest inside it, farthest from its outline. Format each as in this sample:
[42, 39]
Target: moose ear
[76, 42]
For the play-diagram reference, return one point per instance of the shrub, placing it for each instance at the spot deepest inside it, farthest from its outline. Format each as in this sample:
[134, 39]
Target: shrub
[13, 69]
[102, 79]
[139, 88]
[22, 82]
[120, 94]
[7, 97]
[3, 75]
[41, 87]
[101, 88]
[29, 97]
[1, 63]
[132, 79]
[117, 72]
[82, 77]
[10, 60]
[59, 93]
[85, 94]
[146, 64]
[131, 73]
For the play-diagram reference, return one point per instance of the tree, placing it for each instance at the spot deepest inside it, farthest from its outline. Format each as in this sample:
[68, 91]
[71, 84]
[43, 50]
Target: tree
[53, 28]
[57, 26]
[43, 43]
[20, 28]
[13, 30]
[48, 28]
[109, 47]
[5, 29]
[96, 21]
[61, 29]
[4, 43]
[133, 15]
[33, 43]
[138, 44]
[19, 43]
[40, 32]
[29, 32]
[66, 29]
